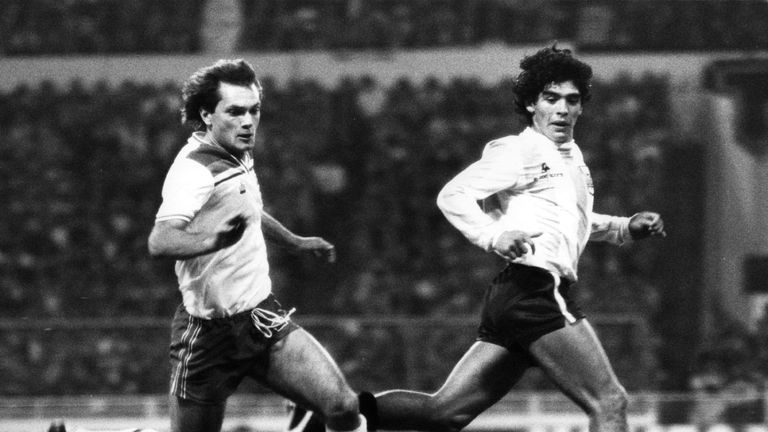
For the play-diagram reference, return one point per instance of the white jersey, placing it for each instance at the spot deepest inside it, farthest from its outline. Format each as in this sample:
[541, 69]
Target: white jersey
[204, 186]
[527, 182]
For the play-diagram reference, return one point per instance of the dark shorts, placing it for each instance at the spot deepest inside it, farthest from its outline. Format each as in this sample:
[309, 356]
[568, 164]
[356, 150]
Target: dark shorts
[209, 358]
[521, 305]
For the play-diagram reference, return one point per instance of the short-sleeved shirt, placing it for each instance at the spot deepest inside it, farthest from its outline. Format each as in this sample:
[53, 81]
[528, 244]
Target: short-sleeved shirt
[205, 186]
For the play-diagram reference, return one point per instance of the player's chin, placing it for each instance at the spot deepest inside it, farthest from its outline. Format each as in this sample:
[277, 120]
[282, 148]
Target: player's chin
[245, 146]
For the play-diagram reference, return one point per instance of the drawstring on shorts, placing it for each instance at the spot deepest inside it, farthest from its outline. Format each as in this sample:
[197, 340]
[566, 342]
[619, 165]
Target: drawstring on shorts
[268, 322]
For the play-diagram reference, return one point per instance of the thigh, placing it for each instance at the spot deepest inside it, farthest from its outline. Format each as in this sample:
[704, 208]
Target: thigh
[522, 304]
[203, 357]
[188, 416]
[482, 376]
[302, 370]
[575, 360]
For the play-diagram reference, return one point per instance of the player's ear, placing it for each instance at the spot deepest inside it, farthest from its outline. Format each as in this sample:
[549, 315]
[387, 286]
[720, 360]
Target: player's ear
[205, 116]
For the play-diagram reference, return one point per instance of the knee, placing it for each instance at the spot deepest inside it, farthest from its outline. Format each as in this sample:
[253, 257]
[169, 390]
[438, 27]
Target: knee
[342, 407]
[612, 401]
[453, 422]
[448, 419]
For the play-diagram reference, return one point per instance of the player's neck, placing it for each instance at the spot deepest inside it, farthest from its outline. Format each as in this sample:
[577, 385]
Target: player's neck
[208, 138]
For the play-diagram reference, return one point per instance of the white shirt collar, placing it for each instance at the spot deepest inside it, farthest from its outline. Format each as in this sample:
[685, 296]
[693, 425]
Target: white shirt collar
[532, 133]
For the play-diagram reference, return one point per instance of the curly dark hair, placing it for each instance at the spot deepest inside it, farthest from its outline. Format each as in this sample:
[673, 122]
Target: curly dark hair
[549, 65]
[201, 90]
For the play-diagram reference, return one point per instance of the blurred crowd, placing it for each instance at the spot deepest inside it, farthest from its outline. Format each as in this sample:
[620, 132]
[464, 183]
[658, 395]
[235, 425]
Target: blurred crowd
[596, 24]
[730, 376]
[65, 27]
[359, 164]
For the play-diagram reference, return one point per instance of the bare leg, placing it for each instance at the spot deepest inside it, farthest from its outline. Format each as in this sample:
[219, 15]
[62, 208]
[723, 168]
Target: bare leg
[482, 377]
[302, 370]
[574, 359]
[189, 416]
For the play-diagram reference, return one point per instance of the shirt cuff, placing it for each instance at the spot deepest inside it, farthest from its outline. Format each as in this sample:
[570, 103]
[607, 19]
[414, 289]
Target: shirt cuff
[624, 235]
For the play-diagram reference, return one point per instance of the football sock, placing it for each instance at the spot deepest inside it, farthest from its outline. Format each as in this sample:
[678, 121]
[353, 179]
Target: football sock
[368, 408]
[362, 428]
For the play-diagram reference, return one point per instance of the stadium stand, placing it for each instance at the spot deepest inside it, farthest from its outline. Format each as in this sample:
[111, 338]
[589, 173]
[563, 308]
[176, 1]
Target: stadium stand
[50, 27]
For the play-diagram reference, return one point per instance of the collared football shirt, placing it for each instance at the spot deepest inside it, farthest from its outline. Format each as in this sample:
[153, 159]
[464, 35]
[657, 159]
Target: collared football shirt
[206, 186]
[527, 182]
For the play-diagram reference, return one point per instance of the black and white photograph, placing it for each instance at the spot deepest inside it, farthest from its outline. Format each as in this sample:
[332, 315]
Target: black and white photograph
[384, 215]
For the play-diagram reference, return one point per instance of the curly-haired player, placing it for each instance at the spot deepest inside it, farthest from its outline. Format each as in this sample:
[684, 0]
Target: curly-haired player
[537, 195]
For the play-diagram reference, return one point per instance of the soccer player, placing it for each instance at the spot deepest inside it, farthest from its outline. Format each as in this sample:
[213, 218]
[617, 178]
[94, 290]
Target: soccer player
[212, 222]
[536, 194]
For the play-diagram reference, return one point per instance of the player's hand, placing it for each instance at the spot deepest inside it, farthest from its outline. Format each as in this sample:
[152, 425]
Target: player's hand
[514, 244]
[230, 232]
[646, 224]
[319, 247]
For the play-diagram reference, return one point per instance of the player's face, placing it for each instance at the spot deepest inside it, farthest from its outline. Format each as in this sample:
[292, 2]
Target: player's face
[234, 121]
[556, 110]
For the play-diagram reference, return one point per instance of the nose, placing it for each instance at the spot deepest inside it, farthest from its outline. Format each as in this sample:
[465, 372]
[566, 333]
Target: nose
[247, 122]
[561, 107]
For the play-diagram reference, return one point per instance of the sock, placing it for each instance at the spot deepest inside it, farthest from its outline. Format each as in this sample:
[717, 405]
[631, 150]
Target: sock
[362, 428]
[369, 409]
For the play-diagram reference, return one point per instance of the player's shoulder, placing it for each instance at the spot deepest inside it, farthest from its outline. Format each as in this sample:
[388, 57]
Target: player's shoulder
[509, 143]
[187, 169]
[205, 155]
[197, 156]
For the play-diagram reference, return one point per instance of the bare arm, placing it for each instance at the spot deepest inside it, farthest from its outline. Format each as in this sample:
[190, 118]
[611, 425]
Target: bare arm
[279, 235]
[172, 239]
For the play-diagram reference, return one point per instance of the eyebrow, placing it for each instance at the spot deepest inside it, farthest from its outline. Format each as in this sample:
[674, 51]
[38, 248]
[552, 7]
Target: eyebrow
[242, 107]
[552, 93]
